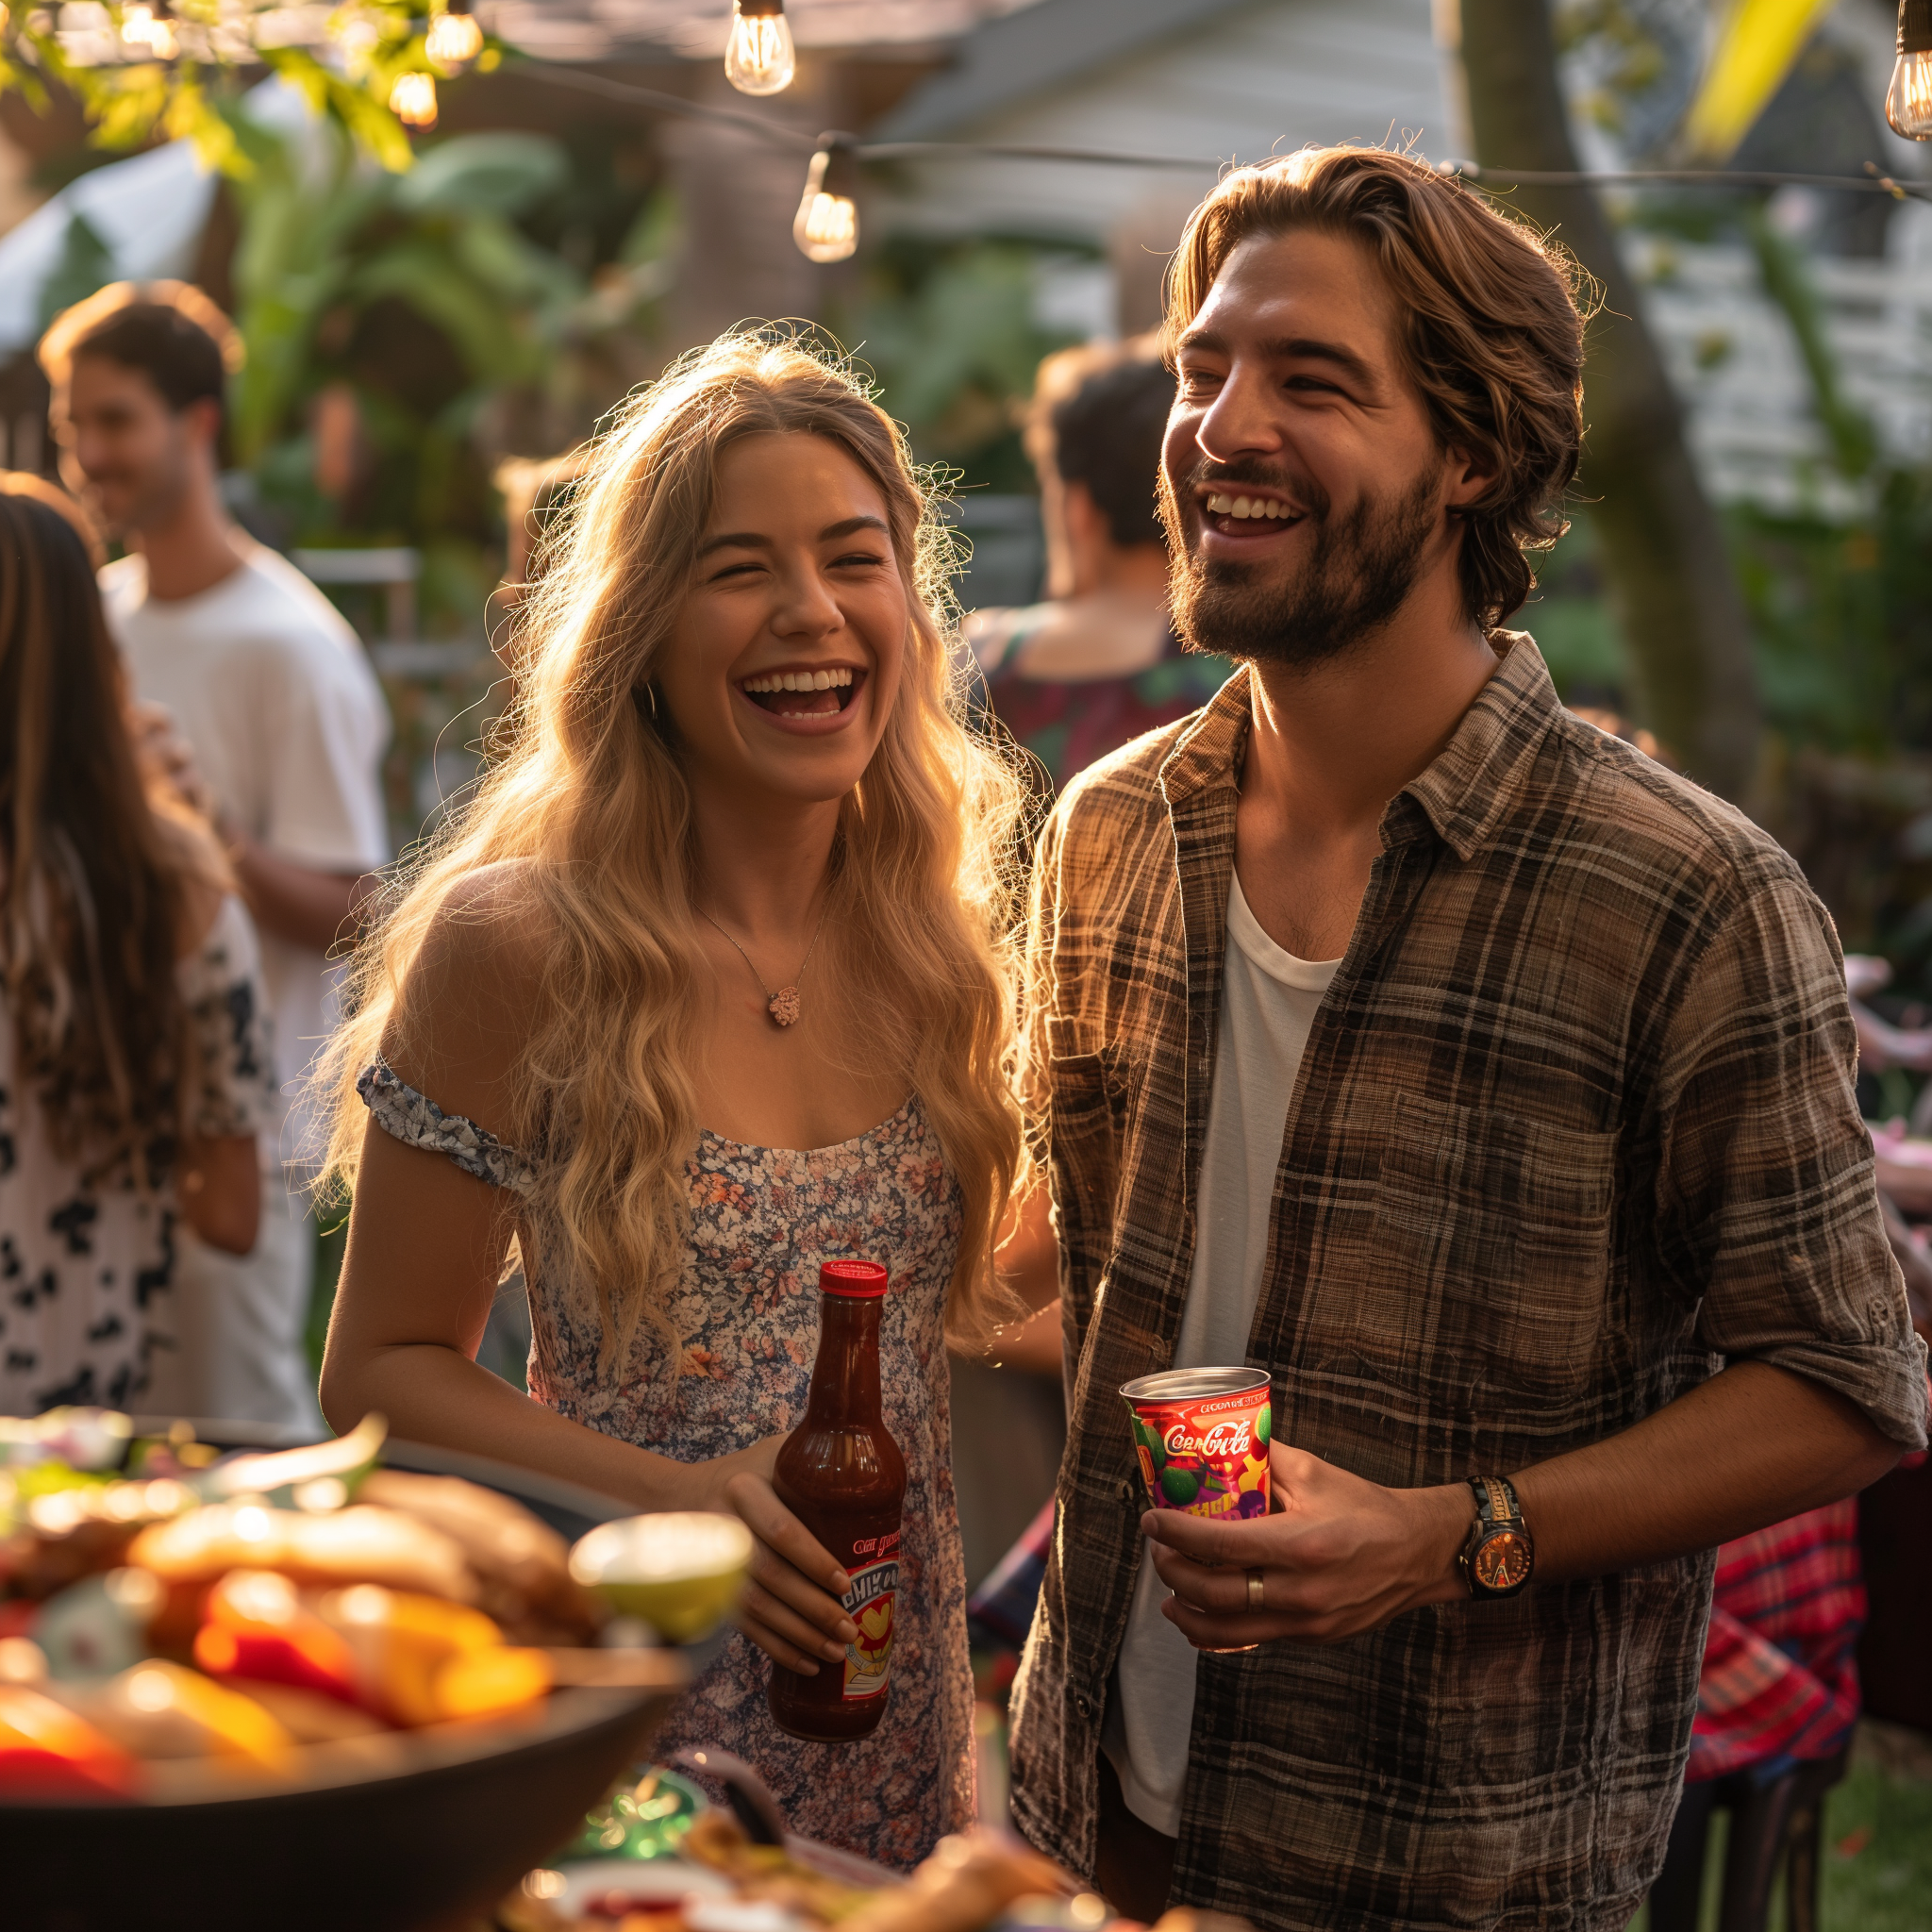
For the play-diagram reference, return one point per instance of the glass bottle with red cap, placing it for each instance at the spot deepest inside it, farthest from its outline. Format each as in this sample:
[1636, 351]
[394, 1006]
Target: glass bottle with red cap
[841, 1474]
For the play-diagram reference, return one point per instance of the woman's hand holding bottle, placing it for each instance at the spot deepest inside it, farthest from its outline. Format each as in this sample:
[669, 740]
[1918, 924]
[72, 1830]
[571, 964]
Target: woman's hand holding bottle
[792, 1607]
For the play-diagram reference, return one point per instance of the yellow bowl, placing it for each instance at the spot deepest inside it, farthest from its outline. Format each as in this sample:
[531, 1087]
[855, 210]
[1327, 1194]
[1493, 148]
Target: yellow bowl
[682, 1571]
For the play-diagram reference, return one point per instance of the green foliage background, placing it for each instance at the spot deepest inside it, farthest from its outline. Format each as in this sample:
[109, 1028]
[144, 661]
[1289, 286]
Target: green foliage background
[445, 302]
[949, 329]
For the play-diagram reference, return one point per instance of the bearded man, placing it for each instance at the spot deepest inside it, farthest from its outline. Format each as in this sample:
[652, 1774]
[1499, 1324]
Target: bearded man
[1488, 1085]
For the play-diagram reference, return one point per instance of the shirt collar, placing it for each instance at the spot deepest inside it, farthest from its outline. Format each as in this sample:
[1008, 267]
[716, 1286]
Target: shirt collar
[1208, 751]
[1471, 785]
[1465, 791]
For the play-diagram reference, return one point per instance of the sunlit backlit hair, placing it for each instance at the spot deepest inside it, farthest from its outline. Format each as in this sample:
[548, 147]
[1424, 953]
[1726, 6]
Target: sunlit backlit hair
[1489, 323]
[87, 319]
[578, 840]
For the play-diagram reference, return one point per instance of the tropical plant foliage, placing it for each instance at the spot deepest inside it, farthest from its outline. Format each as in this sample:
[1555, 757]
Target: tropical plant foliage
[404, 331]
[950, 329]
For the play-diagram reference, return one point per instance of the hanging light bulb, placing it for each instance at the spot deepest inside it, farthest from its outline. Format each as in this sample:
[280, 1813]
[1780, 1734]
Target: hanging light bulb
[759, 57]
[148, 28]
[1908, 102]
[455, 38]
[412, 100]
[826, 228]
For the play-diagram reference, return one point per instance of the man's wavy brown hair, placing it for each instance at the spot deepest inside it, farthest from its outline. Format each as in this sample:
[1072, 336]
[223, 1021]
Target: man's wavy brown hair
[1490, 329]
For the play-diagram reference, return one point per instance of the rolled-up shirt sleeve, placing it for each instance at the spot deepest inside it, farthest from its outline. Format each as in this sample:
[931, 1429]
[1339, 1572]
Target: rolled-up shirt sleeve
[1767, 1214]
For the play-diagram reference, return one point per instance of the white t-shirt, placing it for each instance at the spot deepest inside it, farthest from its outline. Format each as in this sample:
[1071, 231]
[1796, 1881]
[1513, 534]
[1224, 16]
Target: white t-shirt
[276, 695]
[1267, 1005]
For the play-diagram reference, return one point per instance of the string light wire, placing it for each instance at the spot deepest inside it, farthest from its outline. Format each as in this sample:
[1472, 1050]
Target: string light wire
[795, 140]
[1870, 182]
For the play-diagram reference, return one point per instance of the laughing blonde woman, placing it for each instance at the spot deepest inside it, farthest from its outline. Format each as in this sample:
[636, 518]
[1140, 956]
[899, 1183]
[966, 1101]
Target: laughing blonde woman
[706, 988]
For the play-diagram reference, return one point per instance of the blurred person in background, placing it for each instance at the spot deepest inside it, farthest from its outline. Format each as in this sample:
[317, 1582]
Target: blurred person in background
[534, 490]
[134, 1059]
[1098, 662]
[286, 723]
[1071, 678]
[1777, 1697]
[1779, 1689]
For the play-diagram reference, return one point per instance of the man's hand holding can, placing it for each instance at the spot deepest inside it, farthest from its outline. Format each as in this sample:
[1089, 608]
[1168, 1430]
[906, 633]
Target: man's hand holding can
[1335, 1556]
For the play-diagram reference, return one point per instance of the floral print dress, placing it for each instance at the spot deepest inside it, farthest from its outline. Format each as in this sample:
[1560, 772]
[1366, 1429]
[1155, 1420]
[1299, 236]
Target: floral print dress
[87, 1261]
[762, 1220]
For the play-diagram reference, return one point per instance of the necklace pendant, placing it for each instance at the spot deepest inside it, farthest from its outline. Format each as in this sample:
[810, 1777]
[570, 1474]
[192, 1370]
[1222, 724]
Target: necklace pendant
[783, 1007]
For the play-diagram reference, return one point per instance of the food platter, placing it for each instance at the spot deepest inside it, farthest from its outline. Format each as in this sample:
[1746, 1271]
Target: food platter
[396, 1834]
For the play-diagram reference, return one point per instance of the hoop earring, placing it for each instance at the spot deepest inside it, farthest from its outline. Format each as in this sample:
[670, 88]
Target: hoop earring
[651, 693]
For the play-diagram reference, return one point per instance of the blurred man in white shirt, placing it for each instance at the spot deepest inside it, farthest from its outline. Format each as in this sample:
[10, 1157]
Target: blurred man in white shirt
[287, 725]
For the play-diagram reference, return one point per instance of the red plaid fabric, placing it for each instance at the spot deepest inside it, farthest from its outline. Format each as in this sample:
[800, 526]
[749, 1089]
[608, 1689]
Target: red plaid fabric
[1780, 1677]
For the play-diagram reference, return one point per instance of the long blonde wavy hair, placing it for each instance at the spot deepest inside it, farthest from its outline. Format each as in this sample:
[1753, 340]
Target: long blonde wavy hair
[587, 802]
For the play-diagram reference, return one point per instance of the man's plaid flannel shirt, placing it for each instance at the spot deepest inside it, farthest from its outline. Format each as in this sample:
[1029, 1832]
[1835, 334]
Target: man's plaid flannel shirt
[1574, 1124]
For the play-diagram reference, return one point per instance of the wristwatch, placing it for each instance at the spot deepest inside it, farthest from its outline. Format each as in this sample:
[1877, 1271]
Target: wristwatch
[1500, 1555]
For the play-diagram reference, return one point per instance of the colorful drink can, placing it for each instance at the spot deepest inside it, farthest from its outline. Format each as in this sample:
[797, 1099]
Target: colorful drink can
[1201, 1435]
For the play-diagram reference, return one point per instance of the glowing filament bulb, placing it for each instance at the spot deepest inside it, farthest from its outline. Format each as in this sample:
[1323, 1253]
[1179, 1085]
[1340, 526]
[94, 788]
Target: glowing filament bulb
[412, 100]
[826, 227]
[1908, 104]
[142, 27]
[1908, 101]
[759, 57]
[455, 39]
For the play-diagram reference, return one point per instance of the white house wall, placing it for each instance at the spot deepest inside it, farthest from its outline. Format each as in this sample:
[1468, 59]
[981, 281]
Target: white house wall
[1269, 77]
[1264, 78]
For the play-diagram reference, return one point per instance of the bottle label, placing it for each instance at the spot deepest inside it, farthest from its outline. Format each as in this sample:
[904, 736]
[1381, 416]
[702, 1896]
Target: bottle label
[869, 1604]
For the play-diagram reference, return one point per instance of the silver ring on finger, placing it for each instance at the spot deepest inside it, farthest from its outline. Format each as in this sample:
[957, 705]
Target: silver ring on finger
[1255, 1590]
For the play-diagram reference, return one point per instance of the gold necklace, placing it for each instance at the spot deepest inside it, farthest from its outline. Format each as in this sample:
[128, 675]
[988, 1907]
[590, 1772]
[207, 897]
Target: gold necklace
[783, 1004]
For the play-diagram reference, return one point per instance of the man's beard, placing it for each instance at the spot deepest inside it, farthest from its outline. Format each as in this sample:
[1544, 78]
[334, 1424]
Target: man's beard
[134, 506]
[1358, 576]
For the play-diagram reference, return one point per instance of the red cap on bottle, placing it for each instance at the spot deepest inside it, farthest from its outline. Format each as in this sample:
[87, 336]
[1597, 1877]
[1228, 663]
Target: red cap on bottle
[864, 1280]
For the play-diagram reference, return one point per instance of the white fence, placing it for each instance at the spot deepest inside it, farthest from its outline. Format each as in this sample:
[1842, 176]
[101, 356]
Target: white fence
[1755, 429]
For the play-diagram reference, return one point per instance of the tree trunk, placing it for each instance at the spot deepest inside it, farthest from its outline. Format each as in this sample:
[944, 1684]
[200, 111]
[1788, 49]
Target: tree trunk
[1662, 549]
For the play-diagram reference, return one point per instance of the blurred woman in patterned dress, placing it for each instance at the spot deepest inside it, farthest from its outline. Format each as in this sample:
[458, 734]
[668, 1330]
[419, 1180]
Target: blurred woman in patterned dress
[706, 988]
[134, 1060]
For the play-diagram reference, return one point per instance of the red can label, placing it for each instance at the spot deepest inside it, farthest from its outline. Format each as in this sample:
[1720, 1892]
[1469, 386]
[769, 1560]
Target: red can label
[1202, 1444]
[870, 1603]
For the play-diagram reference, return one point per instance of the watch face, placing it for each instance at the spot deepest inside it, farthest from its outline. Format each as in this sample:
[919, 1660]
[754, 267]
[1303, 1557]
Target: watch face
[1502, 1561]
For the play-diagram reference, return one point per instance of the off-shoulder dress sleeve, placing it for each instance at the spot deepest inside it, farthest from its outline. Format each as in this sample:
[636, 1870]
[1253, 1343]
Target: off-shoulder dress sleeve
[415, 1120]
